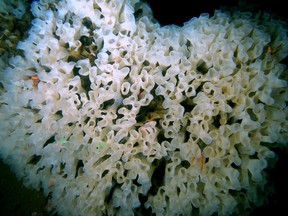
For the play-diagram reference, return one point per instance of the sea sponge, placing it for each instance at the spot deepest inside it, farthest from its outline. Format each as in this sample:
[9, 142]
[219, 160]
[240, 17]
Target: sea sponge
[124, 116]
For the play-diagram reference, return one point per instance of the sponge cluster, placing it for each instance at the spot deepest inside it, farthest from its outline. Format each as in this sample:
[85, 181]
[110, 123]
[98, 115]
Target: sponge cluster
[126, 117]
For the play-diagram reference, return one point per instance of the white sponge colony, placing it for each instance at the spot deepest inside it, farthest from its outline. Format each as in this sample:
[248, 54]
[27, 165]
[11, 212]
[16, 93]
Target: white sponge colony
[112, 114]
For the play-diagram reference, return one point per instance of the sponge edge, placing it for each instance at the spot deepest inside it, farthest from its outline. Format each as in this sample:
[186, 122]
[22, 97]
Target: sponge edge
[15, 21]
[127, 116]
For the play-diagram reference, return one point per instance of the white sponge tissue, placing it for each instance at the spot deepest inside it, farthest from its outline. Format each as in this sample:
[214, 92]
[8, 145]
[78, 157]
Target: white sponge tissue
[110, 113]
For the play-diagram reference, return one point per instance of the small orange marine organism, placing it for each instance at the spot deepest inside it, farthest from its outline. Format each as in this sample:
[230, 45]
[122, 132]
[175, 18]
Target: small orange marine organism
[201, 159]
[35, 79]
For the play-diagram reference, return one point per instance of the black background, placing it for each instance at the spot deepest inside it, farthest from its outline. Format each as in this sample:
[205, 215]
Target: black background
[179, 11]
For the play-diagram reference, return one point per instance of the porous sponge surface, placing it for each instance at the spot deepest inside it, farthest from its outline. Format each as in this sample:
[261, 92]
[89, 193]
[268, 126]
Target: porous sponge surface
[125, 117]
